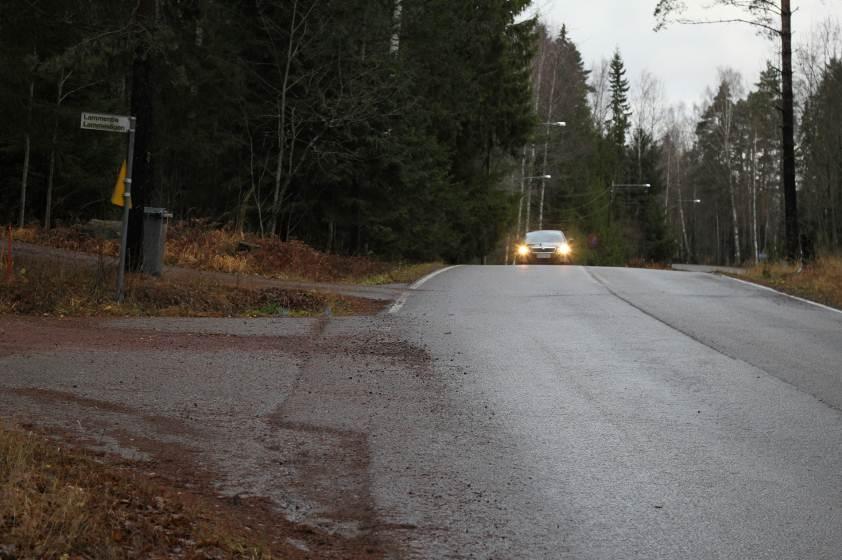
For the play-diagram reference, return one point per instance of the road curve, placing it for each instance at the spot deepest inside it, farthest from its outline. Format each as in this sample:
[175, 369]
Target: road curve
[615, 413]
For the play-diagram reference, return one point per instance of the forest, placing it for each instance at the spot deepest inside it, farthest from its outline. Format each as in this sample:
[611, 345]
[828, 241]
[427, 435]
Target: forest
[713, 170]
[406, 130]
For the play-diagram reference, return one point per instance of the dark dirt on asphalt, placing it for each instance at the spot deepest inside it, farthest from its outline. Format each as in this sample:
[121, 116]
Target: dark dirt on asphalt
[221, 408]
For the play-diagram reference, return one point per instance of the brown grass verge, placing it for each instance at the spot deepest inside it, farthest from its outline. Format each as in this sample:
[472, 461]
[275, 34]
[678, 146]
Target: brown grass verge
[652, 265]
[197, 245]
[42, 287]
[820, 281]
[57, 503]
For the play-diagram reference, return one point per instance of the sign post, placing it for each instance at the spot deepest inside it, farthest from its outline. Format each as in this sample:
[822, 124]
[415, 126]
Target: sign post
[121, 124]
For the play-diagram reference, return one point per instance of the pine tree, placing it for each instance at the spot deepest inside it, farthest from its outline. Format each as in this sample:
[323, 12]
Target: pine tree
[572, 148]
[619, 123]
[822, 144]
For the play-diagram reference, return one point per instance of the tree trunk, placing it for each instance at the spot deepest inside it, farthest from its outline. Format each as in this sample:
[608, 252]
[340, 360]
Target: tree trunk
[669, 178]
[529, 191]
[143, 109]
[522, 187]
[27, 147]
[754, 199]
[728, 124]
[793, 241]
[546, 149]
[738, 258]
[244, 201]
[681, 211]
[684, 238]
[834, 232]
[331, 235]
[48, 206]
[718, 239]
[279, 167]
[282, 111]
[397, 19]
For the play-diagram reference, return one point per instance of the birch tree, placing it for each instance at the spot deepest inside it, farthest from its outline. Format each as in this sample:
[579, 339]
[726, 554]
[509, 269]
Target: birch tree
[772, 18]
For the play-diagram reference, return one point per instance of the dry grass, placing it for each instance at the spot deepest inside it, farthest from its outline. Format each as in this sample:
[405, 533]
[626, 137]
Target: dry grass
[42, 287]
[72, 239]
[820, 281]
[62, 504]
[652, 265]
[197, 245]
[402, 274]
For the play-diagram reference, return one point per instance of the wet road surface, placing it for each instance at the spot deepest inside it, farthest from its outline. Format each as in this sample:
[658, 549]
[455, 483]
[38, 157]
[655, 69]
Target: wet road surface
[622, 413]
[499, 412]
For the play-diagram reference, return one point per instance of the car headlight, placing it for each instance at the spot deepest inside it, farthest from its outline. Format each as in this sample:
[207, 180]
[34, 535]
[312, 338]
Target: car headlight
[522, 250]
[564, 249]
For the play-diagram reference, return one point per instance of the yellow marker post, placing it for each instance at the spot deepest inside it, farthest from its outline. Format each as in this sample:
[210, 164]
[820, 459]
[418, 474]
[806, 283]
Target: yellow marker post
[120, 188]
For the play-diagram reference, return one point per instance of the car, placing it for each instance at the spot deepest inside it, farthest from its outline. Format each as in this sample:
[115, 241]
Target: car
[544, 246]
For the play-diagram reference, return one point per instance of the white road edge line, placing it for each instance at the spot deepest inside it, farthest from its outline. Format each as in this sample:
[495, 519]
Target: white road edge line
[773, 290]
[404, 296]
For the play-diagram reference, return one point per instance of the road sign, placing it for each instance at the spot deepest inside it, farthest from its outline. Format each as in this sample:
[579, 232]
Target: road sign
[118, 123]
[105, 122]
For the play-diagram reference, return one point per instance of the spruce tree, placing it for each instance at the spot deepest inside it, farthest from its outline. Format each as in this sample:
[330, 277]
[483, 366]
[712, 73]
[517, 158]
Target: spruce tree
[572, 148]
[619, 122]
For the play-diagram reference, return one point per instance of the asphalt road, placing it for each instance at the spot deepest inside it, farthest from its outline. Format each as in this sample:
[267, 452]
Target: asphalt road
[621, 413]
[498, 412]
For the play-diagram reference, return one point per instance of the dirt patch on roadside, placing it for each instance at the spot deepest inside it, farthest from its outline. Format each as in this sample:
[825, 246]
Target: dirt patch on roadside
[25, 335]
[164, 508]
[162, 424]
[278, 446]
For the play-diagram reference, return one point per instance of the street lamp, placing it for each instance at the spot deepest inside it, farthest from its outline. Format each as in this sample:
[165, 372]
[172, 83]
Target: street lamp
[527, 188]
[625, 187]
[520, 208]
[529, 197]
[684, 238]
[559, 124]
[524, 178]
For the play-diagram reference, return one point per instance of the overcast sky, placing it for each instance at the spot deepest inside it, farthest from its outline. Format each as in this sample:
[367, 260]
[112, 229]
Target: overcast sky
[684, 57]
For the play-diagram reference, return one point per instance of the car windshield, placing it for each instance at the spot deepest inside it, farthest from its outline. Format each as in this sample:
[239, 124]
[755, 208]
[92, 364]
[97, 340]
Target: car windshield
[544, 237]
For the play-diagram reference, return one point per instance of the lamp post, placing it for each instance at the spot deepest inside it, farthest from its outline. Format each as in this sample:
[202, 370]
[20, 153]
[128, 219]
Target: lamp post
[623, 187]
[680, 204]
[523, 180]
[548, 125]
[529, 197]
[627, 186]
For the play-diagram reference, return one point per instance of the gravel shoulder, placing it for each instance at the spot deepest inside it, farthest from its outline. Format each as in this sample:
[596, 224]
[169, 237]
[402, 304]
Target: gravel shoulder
[251, 412]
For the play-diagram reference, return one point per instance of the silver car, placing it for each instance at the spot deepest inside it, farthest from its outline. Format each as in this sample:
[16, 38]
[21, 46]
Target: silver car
[545, 246]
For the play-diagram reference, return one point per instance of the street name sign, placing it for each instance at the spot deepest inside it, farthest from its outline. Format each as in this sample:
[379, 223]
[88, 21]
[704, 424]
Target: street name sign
[105, 122]
[123, 124]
